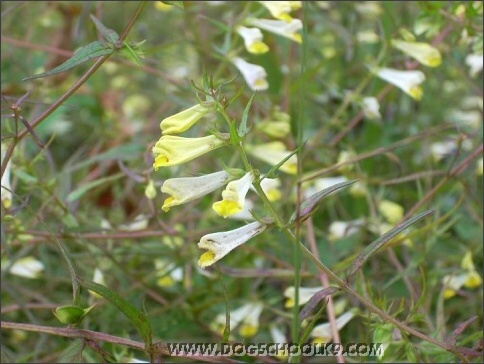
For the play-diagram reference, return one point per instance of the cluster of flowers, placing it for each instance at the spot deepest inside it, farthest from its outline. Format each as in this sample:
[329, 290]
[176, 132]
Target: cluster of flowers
[172, 150]
[250, 31]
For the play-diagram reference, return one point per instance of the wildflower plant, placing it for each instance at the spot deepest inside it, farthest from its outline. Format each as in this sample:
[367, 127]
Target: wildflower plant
[265, 171]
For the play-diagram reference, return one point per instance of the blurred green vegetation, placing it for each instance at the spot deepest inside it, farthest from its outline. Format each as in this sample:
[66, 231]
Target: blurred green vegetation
[84, 186]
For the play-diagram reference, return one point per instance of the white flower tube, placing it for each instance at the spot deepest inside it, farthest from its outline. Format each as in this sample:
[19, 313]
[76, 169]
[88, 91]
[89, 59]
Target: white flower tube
[281, 9]
[6, 188]
[254, 75]
[273, 153]
[322, 333]
[27, 267]
[234, 196]
[218, 245]
[475, 63]
[279, 27]
[371, 107]
[305, 294]
[422, 52]
[408, 81]
[183, 190]
[252, 40]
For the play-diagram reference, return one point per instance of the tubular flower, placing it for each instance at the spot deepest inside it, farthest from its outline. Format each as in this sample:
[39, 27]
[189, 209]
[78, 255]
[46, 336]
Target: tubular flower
[252, 40]
[184, 120]
[281, 9]
[371, 107]
[273, 153]
[422, 52]
[187, 189]
[475, 63]
[27, 267]
[167, 273]
[279, 27]
[468, 278]
[270, 186]
[322, 333]
[341, 229]
[174, 150]
[234, 196]
[254, 75]
[6, 188]
[247, 316]
[305, 294]
[392, 211]
[408, 81]
[218, 245]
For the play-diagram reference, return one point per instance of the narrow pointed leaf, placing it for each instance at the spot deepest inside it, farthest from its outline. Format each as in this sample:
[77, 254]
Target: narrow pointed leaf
[78, 192]
[313, 302]
[243, 128]
[137, 317]
[92, 50]
[273, 171]
[310, 205]
[382, 240]
[110, 35]
[128, 53]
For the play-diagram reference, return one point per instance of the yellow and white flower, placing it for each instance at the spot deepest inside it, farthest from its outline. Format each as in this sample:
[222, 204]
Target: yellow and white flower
[273, 153]
[270, 186]
[27, 267]
[167, 273]
[305, 294]
[322, 333]
[480, 167]
[183, 190]
[341, 229]
[254, 75]
[252, 40]
[281, 9]
[234, 196]
[468, 277]
[140, 222]
[218, 245]
[440, 150]
[98, 277]
[391, 211]
[408, 81]
[371, 107]
[424, 53]
[475, 63]
[172, 150]
[279, 337]
[245, 213]
[185, 119]
[246, 318]
[6, 188]
[278, 125]
[279, 27]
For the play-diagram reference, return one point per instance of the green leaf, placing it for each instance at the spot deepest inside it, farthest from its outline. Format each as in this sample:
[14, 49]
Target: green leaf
[178, 4]
[308, 206]
[272, 173]
[137, 317]
[77, 193]
[128, 53]
[110, 35]
[243, 128]
[92, 50]
[382, 240]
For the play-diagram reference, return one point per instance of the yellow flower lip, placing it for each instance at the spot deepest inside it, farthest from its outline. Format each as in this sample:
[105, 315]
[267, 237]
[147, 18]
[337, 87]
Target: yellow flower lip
[234, 196]
[252, 40]
[408, 81]
[172, 150]
[218, 245]
[424, 53]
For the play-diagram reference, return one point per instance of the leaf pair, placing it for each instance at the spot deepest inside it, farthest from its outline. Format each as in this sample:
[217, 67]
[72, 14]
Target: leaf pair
[94, 50]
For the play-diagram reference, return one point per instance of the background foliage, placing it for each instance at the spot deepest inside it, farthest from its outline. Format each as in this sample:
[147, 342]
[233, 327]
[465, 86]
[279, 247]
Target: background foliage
[80, 176]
